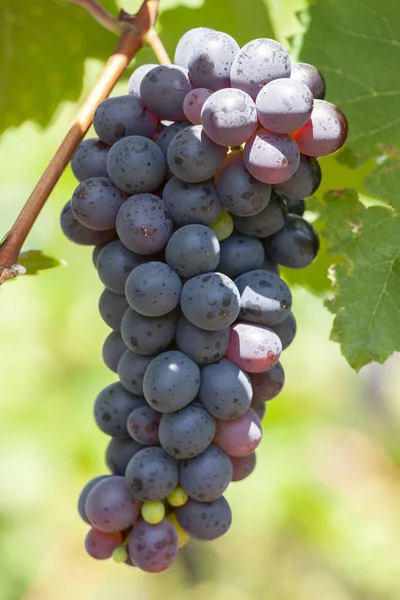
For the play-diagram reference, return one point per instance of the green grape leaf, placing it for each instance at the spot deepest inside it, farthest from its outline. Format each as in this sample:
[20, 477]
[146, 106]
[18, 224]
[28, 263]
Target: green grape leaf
[366, 285]
[34, 261]
[356, 45]
[44, 46]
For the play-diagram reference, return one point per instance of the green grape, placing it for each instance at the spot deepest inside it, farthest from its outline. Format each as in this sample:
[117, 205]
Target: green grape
[178, 497]
[223, 226]
[153, 512]
[120, 554]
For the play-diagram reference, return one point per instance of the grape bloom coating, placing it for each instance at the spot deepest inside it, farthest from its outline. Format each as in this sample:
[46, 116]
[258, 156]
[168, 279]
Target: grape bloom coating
[193, 195]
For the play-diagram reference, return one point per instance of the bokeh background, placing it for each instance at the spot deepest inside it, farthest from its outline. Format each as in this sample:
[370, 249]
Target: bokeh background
[319, 518]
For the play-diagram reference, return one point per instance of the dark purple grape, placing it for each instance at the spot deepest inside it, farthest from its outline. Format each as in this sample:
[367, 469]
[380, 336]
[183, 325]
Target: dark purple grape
[286, 330]
[90, 159]
[153, 548]
[112, 407]
[131, 370]
[294, 246]
[142, 425]
[284, 105]
[151, 474]
[75, 232]
[267, 222]
[192, 250]
[113, 348]
[136, 165]
[225, 390]
[112, 308]
[239, 254]
[187, 432]
[136, 78]
[239, 191]
[265, 299]
[205, 520]
[96, 202]
[243, 466]
[206, 476]
[171, 381]
[115, 263]
[100, 545]
[110, 506]
[201, 345]
[148, 335]
[229, 117]
[269, 384]
[210, 60]
[121, 116]
[305, 181]
[84, 494]
[190, 203]
[144, 224]
[153, 289]
[163, 90]
[119, 452]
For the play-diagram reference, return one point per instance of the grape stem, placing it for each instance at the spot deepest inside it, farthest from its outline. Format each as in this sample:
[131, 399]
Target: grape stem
[134, 30]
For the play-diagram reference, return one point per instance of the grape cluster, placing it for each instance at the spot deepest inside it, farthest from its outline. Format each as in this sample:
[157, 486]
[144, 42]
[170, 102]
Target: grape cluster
[193, 196]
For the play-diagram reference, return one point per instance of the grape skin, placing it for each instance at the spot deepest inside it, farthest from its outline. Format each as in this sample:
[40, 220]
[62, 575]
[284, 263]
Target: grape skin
[267, 222]
[193, 104]
[229, 117]
[110, 506]
[171, 381]
[153, 548]
[206, 476]
[193, 157]
[135, 165]
[153, 289]
[239, 191]
[142, 425]
[269, 384]
[225, 390]
[192, 250]
[253, 348]
[259, 62]
[112, 307]
[239, 254]
[144, 225]
[113, 348]
[151, 474]
[210, 60]
[78, 233]
[119, 452]
[294, 246]
[284, 105]
[121, 116]
[163, 90]
[131, 370]
[243, 466]
[271, 157]
[114, 264]
[265, 299]
[112, 407]
[187, 432]
[100, 545]
[304, 182]
[148, 335]
[186, 43]
[241, 436]
[324, 133]
[210, 301]
[137, 76]
[96, 202]
[84, 494]
[200, 345]
[90, 159]
[311, 77]
[205, 520]
[286, 330]
[192, 203]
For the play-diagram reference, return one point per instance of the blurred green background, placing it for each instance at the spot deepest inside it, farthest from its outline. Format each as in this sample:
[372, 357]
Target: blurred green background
[319, 518]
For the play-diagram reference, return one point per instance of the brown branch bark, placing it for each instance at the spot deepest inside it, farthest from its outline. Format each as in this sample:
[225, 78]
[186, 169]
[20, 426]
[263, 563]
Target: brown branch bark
[134, 29]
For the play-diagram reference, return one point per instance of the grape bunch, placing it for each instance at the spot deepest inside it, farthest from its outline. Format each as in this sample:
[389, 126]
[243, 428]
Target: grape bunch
[193, 195]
